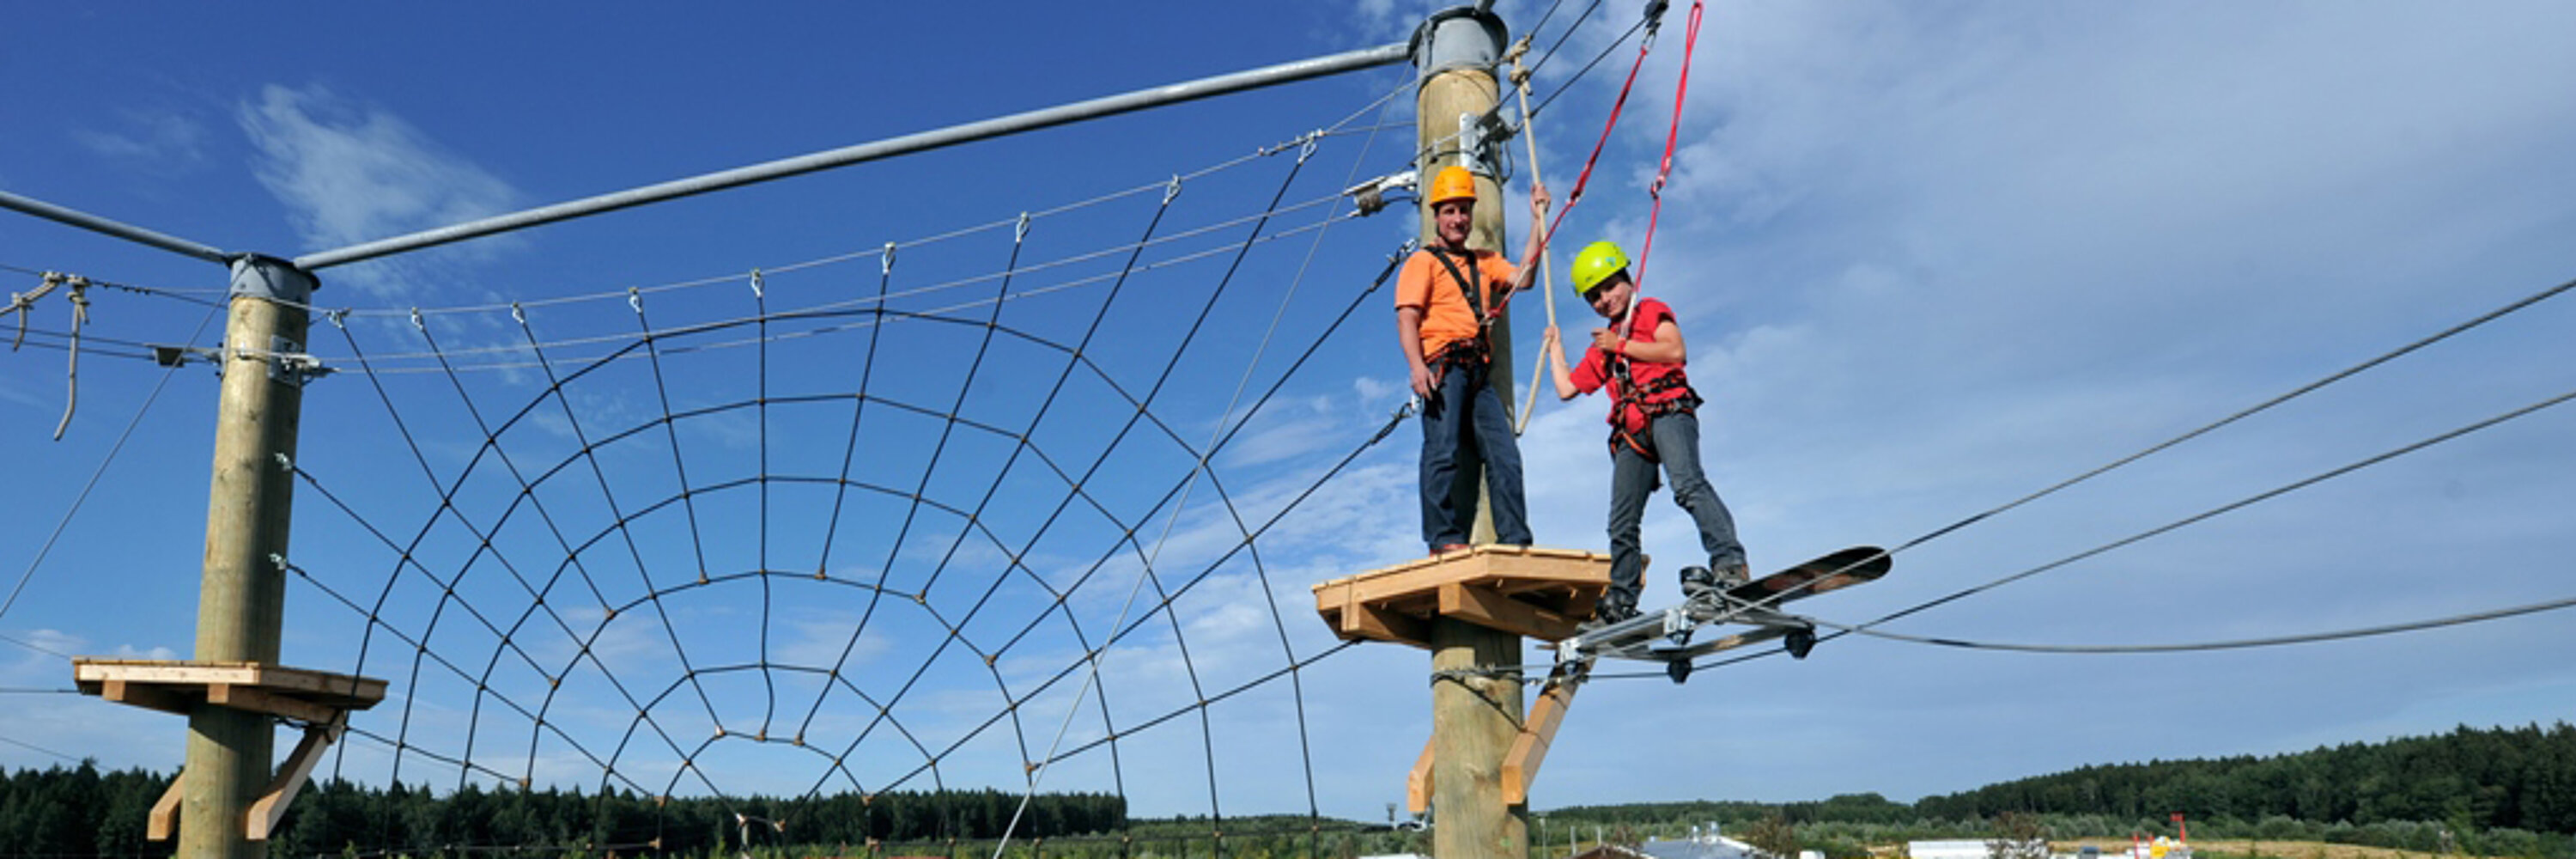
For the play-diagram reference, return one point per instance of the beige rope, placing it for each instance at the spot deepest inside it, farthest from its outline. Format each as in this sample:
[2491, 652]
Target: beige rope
[23, 303]
[71, 380]
[1547, 280]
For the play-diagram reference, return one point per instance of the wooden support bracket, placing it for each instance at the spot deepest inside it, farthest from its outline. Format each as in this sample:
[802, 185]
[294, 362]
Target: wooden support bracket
[271, 807]
[1520, 765]
[1417, 784]
[165, 812]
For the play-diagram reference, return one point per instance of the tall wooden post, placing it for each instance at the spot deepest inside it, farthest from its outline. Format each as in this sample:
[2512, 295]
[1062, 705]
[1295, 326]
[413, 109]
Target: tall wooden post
[242, 598]
[1475, 715]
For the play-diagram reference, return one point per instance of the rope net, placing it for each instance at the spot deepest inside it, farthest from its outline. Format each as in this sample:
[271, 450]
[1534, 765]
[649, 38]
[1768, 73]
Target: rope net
[1001, 511]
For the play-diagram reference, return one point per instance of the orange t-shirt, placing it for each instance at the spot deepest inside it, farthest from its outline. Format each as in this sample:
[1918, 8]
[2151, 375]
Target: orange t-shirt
[1446, 319]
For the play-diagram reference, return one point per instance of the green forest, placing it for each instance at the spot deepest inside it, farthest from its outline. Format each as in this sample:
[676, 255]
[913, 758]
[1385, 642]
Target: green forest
[2497, 792]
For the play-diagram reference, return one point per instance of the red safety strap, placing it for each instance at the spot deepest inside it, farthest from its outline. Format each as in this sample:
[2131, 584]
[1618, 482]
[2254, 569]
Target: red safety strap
[1585, 178]
[1681, 93]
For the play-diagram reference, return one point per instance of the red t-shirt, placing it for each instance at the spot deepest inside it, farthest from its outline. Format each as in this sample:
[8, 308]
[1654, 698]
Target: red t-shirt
[1644, 318]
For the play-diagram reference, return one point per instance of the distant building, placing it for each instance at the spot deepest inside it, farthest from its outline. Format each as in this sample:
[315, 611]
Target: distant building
[1945, 849]
[1706, 845]
[1965, 849]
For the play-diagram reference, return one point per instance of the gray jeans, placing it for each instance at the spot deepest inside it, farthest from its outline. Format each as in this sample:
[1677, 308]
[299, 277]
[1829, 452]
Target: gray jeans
[1632, 479]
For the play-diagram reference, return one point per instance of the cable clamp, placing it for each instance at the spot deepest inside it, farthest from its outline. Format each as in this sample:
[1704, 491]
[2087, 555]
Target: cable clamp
[289, 364]
[1312, 140]
[1020, 233]
[518, 314]
[1172, 191]
[417, 323]
[178, 356]
[284, 462]
[338, 318]
[280, 561]
[758, 287]
[635, 299]
[885, 266]
[1371, 196]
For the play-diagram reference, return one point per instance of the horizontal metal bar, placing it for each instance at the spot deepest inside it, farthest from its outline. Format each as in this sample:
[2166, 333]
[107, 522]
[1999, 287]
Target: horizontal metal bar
[845, 156]
[128, 232]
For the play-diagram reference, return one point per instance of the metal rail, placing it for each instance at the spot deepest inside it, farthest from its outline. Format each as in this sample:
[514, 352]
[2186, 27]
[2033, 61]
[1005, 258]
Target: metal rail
[845, 156]
[128, 232]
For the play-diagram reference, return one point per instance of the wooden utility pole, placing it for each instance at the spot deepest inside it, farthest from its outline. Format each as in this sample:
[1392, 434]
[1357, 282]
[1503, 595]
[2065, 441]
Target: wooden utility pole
[1476, 713]
[242, 601]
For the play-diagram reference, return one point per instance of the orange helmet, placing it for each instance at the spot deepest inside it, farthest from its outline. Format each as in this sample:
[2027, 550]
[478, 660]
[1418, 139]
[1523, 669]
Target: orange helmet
[1452, 183]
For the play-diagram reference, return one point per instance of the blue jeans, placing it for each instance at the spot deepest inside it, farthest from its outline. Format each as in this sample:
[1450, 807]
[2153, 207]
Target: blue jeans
[1469, 412]
[1632, 478]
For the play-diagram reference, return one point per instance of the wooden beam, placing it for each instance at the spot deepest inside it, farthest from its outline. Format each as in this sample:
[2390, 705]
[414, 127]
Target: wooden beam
[144, 695]
[259, 700]
[1486, 608]
[272, 804]
[1417, 784]
[1520, 766]
[1367, 621]
[165, 812]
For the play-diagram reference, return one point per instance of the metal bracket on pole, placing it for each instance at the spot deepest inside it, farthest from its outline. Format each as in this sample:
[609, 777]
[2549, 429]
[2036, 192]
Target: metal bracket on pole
[1472, 152]
[288, 363]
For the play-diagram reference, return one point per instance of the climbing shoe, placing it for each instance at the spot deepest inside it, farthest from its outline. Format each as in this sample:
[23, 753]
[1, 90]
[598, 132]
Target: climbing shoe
[1699, 584]
[1611, 611]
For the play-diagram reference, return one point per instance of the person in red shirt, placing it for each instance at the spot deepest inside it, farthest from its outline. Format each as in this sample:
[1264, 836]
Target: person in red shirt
[1443, 301]
[1653, 421]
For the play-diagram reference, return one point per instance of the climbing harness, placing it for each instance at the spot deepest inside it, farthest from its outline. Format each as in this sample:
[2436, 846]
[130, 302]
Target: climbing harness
[1625, 393]
[1474, 352]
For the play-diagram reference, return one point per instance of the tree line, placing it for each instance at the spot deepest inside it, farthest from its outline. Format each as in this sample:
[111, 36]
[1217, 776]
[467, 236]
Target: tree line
[2503, 791]
[83, 811]
[2509, 778]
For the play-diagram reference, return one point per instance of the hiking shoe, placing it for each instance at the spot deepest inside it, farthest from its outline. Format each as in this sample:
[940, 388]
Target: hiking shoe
[1700, 584]
[1610, 611]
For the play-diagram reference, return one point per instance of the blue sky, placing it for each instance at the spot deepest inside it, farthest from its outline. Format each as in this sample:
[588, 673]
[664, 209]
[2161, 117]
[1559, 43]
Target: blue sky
[1929, 258]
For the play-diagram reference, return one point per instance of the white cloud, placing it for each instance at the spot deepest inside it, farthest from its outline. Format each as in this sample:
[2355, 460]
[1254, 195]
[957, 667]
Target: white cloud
[157, 141]
[350, 172]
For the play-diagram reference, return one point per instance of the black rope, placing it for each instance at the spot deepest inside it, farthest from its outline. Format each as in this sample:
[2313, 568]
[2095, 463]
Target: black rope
[688, 505]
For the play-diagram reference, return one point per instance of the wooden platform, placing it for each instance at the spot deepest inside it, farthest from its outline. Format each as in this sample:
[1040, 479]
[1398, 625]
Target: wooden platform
[174, 686]
[1540, 593]
[320, 699]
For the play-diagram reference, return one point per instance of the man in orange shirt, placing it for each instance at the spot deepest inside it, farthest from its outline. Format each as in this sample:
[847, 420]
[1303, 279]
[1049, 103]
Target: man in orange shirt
[1442, 299]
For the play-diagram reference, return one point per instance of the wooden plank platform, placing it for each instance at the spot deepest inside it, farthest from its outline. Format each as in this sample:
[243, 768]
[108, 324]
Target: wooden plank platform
[177, 686]
[1539, 593]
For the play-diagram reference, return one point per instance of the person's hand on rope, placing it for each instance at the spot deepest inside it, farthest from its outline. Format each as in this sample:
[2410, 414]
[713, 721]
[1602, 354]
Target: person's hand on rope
[1539, 200]
[1551, 342]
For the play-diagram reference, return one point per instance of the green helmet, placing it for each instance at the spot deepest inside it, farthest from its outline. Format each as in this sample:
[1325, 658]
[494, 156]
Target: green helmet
[1597, 262]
